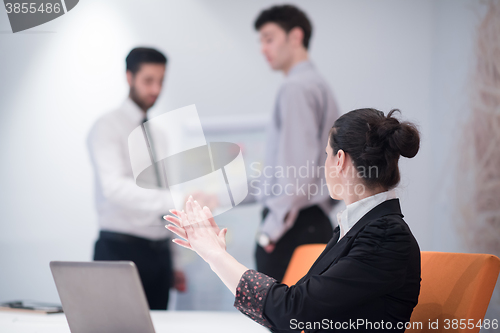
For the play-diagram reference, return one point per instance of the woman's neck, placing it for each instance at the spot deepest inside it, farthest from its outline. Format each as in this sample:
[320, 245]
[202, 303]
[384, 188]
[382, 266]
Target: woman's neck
[352, 197]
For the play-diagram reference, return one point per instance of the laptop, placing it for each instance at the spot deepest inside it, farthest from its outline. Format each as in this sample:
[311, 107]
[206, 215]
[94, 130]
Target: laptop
[102, 296]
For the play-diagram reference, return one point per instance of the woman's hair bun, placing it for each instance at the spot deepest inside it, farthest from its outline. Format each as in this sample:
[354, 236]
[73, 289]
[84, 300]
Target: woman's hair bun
[389, 133]
[374, 140]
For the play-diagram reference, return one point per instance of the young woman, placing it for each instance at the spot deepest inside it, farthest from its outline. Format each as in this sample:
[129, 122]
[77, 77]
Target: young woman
[368, 276]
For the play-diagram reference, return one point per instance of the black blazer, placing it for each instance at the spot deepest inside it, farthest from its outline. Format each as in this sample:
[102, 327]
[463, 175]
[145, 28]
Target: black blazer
[371, 274]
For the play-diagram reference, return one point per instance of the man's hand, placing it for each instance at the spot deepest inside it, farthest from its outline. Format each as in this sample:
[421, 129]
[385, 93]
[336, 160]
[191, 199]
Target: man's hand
[180, 281]
[269, 248]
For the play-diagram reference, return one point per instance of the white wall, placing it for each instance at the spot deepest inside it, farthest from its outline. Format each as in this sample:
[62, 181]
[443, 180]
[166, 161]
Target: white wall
[56, 79]
[453, 66]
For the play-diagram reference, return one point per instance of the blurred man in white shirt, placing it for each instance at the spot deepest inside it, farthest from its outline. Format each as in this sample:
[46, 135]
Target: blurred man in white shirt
[130, 217]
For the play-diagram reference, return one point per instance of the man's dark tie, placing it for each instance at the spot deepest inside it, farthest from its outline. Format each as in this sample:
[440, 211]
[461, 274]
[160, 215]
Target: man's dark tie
[155, 165]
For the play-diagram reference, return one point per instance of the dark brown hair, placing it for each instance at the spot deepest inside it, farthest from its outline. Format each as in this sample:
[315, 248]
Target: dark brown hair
[287, 17]
[141, 55]
[373, 140]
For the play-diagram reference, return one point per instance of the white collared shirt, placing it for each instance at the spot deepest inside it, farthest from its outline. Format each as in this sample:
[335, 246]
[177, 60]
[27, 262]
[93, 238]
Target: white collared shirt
[122, 206]
[353, 212]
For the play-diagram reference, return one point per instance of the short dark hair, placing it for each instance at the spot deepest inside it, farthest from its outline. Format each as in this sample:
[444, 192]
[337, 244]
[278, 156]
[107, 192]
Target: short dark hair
[374, 140]
[141, 55]
[287, 17]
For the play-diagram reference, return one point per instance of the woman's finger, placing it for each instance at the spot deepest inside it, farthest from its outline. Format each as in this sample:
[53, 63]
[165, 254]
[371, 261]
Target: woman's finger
[200, 215]
[173, 219]
[222, 236]
[176, 230]
[175, 212]
[187, 225]
[182, 243]
[196, 211]
[211, 219]
[189, 211]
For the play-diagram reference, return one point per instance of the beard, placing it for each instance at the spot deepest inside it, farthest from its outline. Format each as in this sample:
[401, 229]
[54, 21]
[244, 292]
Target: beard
[138, 100]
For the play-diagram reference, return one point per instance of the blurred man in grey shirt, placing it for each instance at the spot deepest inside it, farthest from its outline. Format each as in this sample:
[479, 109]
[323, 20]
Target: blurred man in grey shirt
[291, 183]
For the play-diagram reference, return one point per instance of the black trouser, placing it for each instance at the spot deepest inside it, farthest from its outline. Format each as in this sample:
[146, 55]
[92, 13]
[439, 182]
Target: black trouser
[152, 258]
[311, 226]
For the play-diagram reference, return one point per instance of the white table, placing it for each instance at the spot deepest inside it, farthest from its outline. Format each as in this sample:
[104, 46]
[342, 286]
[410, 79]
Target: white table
[164, 322]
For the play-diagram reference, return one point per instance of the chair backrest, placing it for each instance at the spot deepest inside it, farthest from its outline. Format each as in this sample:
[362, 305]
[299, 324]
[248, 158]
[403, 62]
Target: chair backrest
[455, 291]
[302, 259]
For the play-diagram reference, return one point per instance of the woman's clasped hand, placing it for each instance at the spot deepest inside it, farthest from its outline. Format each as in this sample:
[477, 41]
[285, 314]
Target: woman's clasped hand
[197, 230]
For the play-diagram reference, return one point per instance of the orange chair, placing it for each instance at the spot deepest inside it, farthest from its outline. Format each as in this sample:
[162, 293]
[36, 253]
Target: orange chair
[455, 291]
[302, 259]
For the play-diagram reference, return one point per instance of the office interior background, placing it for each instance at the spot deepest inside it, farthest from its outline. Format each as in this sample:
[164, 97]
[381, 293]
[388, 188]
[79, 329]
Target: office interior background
[419, 56]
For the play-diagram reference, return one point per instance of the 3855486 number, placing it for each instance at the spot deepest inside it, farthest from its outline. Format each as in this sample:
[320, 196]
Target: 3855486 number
[32, 8]
[455, 324]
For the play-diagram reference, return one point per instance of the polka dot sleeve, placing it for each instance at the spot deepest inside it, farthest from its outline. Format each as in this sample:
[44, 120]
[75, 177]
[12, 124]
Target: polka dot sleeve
[251, 294]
